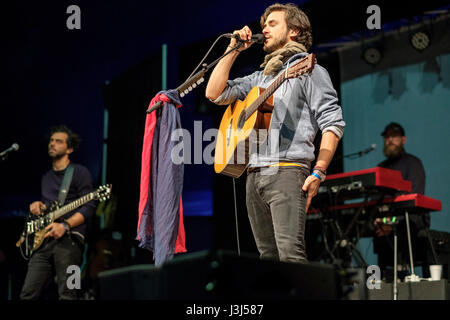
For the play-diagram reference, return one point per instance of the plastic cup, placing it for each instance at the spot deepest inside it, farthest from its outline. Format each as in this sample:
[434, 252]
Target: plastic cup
[436, 271]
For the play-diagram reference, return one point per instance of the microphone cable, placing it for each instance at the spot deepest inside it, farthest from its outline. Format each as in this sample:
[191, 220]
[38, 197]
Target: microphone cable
[234, 185]
[207, 53]
[236, 218]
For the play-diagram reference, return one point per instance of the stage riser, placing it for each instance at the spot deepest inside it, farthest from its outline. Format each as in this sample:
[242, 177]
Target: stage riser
[200, 276]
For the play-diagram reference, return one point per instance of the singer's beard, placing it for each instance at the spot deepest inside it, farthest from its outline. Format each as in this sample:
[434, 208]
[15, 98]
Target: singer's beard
[393, 151]
[278, 43]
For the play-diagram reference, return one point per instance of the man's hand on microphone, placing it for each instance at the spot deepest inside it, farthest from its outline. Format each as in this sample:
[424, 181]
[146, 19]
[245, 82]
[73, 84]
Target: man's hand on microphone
[219, 77]
[246, 35]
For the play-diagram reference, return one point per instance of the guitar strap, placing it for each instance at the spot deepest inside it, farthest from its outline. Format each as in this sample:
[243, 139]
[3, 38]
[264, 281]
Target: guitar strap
[65, 185]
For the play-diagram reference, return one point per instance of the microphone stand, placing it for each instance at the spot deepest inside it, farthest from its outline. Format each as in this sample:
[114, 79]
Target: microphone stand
[394, 285]
[188, 86]
[353, 155]
[196, 79]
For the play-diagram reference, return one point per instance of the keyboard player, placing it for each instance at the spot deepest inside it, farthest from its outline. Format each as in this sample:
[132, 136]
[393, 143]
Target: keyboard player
[411, 169]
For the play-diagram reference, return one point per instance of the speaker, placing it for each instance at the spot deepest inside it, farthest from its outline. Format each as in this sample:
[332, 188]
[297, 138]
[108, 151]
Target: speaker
[247, 276]
[221, 274]
[138, 282]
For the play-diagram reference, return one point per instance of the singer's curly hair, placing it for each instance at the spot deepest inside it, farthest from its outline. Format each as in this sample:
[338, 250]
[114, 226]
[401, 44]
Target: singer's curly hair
[296, 19]
[73, 140]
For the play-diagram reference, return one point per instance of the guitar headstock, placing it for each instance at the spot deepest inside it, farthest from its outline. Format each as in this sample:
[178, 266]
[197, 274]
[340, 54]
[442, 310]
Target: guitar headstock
[304, 66]
[103, 192]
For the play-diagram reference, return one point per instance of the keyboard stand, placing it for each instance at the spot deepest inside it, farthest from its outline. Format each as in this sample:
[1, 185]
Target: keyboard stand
[413, 277]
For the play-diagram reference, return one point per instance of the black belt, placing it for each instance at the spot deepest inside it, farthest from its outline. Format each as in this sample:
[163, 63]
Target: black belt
[257, 169]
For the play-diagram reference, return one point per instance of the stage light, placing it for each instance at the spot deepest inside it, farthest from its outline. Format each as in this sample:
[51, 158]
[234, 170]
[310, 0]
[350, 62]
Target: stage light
[420, 40]
[372, 55]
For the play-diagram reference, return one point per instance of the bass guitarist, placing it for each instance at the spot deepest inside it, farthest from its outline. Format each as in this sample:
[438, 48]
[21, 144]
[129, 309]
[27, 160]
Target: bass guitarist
[281, 182]
[64, 239]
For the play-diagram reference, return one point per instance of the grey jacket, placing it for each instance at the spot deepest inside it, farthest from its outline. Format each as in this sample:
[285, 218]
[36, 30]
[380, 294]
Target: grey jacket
[302, 106]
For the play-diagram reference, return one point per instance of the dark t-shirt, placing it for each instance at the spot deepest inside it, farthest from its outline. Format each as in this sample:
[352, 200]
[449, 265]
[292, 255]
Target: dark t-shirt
[412, 169]
[80, 185]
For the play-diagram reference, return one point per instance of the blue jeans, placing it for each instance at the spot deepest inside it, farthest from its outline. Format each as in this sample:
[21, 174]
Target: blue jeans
[55, 256]
[276, 208]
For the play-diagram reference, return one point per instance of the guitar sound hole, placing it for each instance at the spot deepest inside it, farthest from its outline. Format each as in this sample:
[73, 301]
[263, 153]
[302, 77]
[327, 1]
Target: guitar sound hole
[241, 121]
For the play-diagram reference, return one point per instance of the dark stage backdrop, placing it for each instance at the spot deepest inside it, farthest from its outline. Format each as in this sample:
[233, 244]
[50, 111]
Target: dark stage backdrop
[127, 98]
[53, 75]
[409, 87]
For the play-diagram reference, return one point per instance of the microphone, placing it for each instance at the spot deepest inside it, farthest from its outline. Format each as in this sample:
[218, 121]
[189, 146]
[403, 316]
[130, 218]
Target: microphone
[256, 38]
[14, 147]
[365, 151]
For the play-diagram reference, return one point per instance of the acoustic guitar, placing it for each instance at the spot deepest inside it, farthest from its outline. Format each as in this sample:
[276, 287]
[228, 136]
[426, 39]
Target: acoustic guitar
[247, 122]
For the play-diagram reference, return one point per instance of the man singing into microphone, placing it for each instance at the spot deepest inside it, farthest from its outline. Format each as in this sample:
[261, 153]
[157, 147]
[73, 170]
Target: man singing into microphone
[277, 200]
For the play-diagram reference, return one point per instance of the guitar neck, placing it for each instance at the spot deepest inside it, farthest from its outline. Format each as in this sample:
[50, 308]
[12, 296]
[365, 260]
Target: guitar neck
[265, 95]
[305, 65]
[71, 206]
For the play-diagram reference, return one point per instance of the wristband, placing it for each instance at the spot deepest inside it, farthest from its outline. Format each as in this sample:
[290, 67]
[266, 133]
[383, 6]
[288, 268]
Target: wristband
[66, 225]
[321, 169]
[316, 175]
[322, 176]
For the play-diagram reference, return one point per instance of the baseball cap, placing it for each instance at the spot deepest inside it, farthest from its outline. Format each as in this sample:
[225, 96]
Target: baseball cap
[393, 126]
